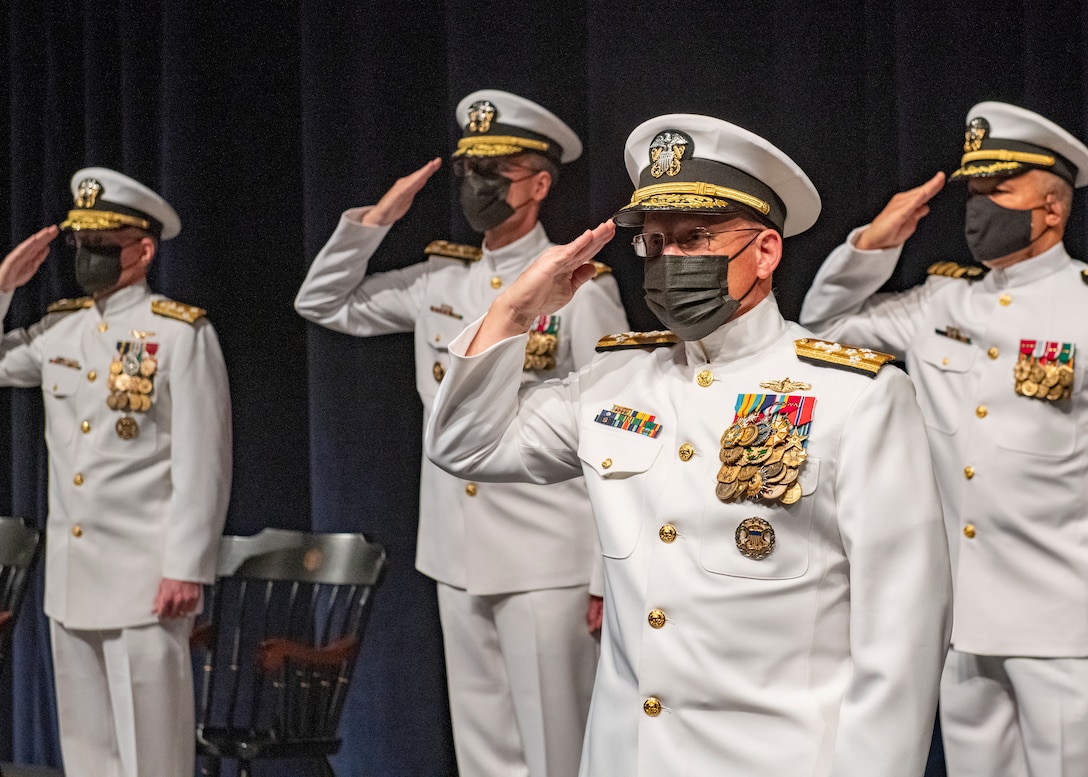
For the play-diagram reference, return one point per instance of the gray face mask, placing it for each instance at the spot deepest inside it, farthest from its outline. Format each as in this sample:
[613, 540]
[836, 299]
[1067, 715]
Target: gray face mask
[993, 231]
[99, 269]
[483, 200]
[690, 294]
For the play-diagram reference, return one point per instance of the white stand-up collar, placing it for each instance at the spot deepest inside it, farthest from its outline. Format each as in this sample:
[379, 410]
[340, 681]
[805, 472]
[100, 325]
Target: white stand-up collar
[124, 299]
[518, 255]
[741, 337]
[1052, 260]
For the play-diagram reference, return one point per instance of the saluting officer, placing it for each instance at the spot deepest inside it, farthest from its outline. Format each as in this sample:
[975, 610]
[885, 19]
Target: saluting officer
[513, 562]
[1001, 383]
[138, 429]
[777, 583]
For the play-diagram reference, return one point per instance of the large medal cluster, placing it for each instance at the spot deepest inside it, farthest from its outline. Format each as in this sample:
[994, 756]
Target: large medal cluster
[543, 344]
[761, 458]
[131, 383]
[1048, 375]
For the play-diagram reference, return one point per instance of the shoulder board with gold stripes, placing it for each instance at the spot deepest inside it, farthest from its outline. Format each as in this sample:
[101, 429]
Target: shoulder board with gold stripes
[627, 340]
[601, 268]
[1084, 276]
[953, 270]
[179, 310]
[68, 305]
[453, 251]
[860, 360]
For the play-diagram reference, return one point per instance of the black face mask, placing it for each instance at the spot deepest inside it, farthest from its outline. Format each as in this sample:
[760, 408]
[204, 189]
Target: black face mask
[993, 231]
[483, 200]
[690, 294]
[98, 269]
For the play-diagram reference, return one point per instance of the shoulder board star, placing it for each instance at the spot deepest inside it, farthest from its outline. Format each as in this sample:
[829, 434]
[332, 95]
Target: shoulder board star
[179, 310]
[68, 305]
[604, 269]
[645, 340]
[953, 270]
[848, 357]
[450, 250]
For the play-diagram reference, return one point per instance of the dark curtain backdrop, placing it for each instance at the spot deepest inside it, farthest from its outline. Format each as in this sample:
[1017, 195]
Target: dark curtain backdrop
[261, 122]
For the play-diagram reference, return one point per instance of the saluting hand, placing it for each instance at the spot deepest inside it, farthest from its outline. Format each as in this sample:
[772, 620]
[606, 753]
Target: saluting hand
[176, 598]
[20, 265]
[396, 202]
[900, 217]
[547, 285]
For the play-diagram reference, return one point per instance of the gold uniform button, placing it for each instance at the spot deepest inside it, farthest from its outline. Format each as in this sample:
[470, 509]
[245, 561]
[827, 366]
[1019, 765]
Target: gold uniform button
[969, 531]
[438, 371]
[945, 361]
[606, 463]
[470, 489]
[656, 618]
[496, 282]
[78, 479]
[705, 378]
[91, 376]
[652, 706]
[1005, 300]
[686, 452]
[981, 411]
[993, 353]
[103, 327]
[77, 531]
[85, 427]
[968, 472]
[667, 533]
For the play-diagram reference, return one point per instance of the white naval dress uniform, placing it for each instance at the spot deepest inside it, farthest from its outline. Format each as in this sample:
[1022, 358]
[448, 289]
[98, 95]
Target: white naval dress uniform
[123, 515]
[821, 659]
[1013, 475]
[513, 562]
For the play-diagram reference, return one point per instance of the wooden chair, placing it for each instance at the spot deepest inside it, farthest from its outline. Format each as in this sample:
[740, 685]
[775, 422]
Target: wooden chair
[19, 546]
[282, 631]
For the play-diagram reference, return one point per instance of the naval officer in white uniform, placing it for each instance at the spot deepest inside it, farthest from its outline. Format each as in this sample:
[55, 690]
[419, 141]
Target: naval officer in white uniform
[138, 428]
[1001, 380]
[776, 574]
[513, 562]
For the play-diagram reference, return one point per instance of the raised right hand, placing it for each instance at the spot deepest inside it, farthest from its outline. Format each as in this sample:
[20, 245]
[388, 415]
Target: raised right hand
[396, 202]
[900, 217]
[20, 265]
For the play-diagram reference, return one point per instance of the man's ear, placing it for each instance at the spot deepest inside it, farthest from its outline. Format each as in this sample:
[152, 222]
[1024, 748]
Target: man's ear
[147, 251]
[542, 184]
[768, 247]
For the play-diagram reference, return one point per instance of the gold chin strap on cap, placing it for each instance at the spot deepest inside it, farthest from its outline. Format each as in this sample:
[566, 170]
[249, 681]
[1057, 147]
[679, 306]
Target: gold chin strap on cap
[694, 194]
[101, 219]
[497, 145]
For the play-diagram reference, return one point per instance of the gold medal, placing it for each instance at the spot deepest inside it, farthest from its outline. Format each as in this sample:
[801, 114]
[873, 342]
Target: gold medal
[1065, 376]
[1022, 371]
[792, 494]
[758, 455]
[148, 366]
[789, 476]
[115, 367]
[728, 474]
[1037, 373]
[748, 435]
[731, 455]
[1055, 393]
[755, 485]
[112, 401]
[731, 436]
[1050, 377]
[127, 428]
[725, 491]
[144, 385]
[145, 403]
[773, 492]
[1028, 388]
[793, 457]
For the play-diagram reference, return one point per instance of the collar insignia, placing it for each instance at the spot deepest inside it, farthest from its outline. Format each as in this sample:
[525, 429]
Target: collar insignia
[666, 152]
[480, 115]
[785, 386]
[87, 193]
[976, 131]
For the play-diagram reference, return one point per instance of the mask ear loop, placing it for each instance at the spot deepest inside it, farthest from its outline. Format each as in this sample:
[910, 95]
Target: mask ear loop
[729, 259]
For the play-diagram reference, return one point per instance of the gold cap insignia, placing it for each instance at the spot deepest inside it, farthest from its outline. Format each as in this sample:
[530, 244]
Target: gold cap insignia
[666, 152]
[976, 132]
[480, 115]
[87, 192]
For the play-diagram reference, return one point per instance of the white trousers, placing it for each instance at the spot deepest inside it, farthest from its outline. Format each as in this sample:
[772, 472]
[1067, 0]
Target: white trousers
[1015, 717]
[520, 670]
[125, 700]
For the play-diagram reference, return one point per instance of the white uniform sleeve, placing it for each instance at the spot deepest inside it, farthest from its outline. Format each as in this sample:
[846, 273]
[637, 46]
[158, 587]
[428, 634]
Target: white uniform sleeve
[20, 364]
[482, 428]
[337, 294]
[200, 456]
[900, 582]
[842, 303]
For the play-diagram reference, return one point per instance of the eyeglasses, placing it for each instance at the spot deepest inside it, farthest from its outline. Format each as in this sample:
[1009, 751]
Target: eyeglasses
[489, 167]
[650, 245]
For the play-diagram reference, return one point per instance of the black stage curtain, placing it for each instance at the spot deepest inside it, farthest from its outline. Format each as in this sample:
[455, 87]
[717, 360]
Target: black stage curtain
[261, 122]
